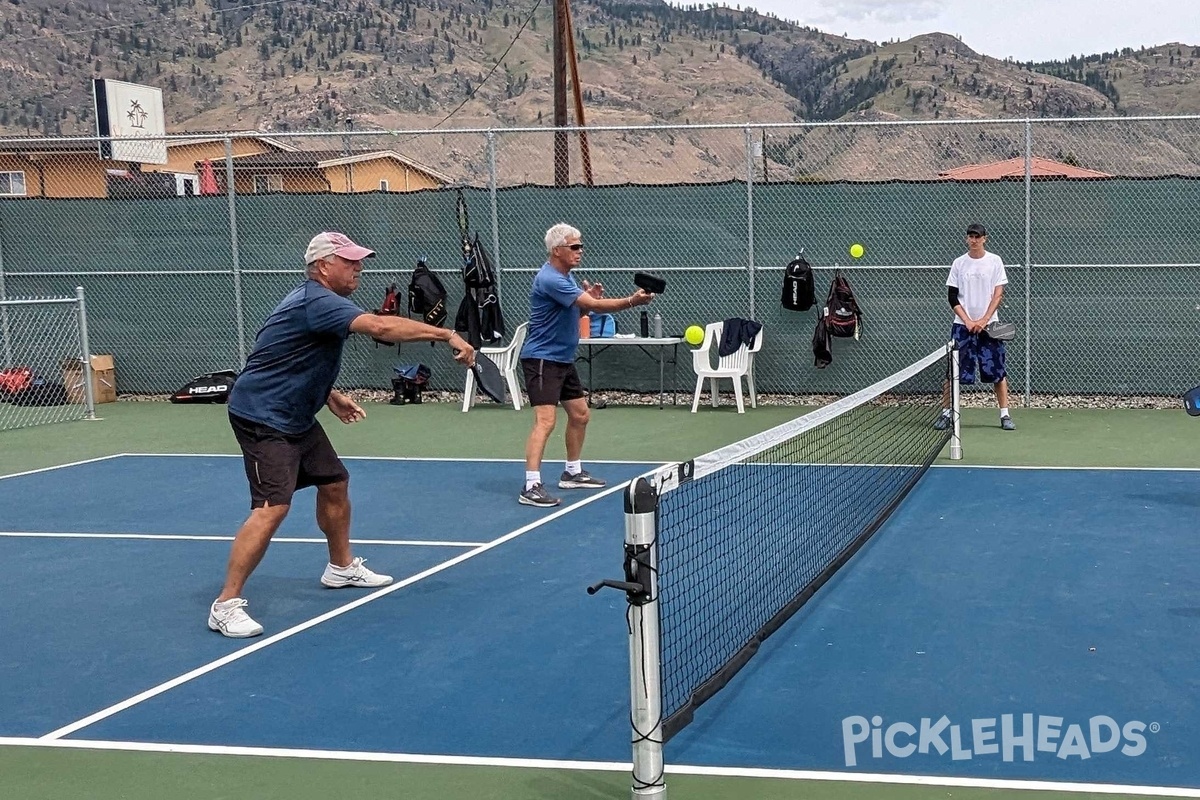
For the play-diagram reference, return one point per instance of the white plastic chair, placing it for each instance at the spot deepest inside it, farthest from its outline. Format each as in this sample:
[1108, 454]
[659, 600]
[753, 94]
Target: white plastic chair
[734, 367]
[507, 360]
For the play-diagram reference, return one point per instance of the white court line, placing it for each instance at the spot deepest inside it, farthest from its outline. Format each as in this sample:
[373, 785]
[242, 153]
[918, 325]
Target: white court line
[607, 766]
[62, 466]
[337, 612]
[202, 538]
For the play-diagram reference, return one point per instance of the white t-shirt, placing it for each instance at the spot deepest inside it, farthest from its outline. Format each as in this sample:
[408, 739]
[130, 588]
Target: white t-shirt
[976, 279]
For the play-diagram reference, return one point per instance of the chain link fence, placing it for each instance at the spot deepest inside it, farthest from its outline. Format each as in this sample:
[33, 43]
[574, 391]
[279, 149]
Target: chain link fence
[44, 377]
[182, 262]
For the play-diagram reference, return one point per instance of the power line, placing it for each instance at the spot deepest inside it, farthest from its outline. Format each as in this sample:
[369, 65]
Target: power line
[499, 61]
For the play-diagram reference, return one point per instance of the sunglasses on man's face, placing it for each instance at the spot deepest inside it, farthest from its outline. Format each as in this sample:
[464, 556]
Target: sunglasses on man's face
[575, 247]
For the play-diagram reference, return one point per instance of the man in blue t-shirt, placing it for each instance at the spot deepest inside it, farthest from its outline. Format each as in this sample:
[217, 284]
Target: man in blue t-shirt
[556, 302]
[273, 409]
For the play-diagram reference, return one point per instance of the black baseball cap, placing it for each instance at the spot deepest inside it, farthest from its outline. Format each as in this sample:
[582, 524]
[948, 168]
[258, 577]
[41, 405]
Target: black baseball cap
[976, 229]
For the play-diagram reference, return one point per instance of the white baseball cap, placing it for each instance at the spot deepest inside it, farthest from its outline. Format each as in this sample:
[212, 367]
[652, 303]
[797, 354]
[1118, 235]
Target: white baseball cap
[327, 244]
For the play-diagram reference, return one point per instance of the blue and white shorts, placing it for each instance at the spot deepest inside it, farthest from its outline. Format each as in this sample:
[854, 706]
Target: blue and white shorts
[981, 349]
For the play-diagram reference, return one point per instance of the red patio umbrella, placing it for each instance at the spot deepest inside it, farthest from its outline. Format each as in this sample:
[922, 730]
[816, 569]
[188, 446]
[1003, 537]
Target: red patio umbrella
[208, 179]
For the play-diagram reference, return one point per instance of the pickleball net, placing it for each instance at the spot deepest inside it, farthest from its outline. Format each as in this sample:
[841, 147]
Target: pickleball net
[721, 550]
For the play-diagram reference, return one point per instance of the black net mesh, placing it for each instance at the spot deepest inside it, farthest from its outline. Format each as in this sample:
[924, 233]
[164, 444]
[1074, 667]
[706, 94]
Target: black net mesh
[761, 524]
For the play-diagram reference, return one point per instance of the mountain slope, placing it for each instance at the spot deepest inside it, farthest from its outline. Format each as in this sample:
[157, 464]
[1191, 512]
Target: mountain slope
[414, 64]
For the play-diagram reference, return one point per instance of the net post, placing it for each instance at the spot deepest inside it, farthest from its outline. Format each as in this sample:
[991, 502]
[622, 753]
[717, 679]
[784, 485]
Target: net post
[88, 389]
[955, 397]
[645, 656]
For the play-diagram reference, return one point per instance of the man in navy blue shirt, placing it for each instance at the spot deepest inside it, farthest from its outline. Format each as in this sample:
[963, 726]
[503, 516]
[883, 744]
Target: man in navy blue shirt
[556, 302]
[273, 409]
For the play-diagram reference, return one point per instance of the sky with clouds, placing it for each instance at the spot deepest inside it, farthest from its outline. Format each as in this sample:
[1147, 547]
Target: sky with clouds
[1037, 30]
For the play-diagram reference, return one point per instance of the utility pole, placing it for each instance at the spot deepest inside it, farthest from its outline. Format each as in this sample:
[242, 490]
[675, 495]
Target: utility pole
[562, 161]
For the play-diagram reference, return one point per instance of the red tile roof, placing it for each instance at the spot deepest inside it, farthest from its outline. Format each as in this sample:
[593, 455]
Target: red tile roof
[1014, 168]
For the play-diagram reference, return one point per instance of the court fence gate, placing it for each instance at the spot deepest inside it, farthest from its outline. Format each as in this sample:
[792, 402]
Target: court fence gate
[44, 375]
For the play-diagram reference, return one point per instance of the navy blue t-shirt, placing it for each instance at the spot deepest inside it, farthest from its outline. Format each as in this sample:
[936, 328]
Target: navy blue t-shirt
[295, 361]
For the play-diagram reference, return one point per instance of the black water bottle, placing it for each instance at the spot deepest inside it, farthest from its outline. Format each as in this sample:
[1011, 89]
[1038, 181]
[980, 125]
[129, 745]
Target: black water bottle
[645, 325]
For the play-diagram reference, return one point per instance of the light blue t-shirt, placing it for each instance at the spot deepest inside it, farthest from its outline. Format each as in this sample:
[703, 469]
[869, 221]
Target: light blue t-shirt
[295, 360]
[553, 317]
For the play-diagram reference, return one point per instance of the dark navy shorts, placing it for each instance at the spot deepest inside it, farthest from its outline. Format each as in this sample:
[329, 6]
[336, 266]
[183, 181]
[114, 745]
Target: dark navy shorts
[978, 349]
[278, 463]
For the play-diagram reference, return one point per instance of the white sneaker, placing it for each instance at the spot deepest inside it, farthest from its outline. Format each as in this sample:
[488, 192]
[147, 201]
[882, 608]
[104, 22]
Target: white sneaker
[230, 618]
[356, 574]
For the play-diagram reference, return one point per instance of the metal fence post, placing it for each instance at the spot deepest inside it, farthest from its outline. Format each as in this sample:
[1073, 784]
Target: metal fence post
[1028, 253]
[4, 331]
[749, 143]
[492, 179]
[89, 391]
[238, 306]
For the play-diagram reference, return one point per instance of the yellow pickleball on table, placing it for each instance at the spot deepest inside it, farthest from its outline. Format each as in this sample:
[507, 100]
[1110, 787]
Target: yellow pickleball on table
[857, 250]
[694, 334]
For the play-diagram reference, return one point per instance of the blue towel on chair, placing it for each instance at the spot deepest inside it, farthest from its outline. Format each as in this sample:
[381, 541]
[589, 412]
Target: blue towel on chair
[737, 332]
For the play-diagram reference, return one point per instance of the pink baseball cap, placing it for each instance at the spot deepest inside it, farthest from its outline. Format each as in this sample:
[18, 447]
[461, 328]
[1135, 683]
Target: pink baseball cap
[327, 244]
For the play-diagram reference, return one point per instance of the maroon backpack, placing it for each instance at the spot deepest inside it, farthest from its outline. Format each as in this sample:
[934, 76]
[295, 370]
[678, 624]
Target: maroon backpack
[842, 316]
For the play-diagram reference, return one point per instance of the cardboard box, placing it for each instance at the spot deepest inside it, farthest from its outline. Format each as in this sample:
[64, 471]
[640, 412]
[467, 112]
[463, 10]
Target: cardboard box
[104, 379]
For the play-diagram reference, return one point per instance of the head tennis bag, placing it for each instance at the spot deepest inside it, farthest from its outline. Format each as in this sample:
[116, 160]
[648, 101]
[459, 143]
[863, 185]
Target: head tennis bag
[842, 315]
[211, 388]
[799, 291]
[426, 296]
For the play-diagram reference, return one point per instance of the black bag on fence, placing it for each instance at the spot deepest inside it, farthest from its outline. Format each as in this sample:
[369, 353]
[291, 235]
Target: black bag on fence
[799, 291]
[211, 388]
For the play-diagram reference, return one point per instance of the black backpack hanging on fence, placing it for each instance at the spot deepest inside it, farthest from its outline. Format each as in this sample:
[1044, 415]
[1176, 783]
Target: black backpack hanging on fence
[211, 388]
[426, 296]
[799, 291]
[843, 317]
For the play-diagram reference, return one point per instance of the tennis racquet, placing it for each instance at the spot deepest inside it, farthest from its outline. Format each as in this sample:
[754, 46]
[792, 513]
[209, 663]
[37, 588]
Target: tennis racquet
[464, 225]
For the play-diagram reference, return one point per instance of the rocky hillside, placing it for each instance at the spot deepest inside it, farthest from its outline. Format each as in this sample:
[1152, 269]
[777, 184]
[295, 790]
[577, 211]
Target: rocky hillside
[412, 64]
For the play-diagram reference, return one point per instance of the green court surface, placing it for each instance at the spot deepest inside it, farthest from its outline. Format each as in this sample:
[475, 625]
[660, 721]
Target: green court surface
[1045, 438]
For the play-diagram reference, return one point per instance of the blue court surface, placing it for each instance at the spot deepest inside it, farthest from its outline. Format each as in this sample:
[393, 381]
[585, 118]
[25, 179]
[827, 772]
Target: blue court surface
[1004, 624]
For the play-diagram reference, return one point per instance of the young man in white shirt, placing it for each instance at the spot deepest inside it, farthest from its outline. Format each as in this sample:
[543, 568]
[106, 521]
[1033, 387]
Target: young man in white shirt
[975, 288]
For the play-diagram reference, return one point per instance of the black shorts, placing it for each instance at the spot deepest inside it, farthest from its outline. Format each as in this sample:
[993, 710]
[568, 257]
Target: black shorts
[550, 382]
[277, 463]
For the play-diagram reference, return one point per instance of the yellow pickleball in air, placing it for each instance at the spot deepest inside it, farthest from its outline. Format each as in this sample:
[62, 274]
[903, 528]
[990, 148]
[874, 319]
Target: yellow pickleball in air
[857, 250]
[694, 334]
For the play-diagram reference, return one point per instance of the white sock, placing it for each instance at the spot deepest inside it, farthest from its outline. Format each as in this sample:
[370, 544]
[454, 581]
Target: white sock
[1004, 412]
[532, 478]
[946, 412]
[574, 467]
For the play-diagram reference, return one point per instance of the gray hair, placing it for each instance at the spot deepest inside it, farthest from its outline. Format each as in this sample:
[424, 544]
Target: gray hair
[558, 235]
